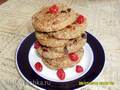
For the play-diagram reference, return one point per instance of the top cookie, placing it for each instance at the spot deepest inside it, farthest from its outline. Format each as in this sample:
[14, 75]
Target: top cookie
[53, 18]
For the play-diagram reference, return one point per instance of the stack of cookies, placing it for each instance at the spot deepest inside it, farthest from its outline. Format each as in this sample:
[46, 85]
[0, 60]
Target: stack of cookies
[60, 33]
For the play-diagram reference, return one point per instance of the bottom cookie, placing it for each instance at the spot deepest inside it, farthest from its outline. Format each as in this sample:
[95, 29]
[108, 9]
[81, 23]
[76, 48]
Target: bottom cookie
[64, 62]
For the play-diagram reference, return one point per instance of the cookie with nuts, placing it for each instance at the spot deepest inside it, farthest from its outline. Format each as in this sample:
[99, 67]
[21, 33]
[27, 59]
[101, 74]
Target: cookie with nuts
[68, 61]
[53, 18]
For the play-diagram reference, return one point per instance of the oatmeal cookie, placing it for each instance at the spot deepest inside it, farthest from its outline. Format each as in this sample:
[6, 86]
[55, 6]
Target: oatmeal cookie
[53, 18]
[63, 62]
[72, 31]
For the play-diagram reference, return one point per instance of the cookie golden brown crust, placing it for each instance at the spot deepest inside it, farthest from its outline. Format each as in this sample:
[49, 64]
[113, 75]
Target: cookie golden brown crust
[44, 21]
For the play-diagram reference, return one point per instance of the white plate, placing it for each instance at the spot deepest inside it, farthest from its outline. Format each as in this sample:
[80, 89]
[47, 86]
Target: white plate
[49, 74]
[92, 62]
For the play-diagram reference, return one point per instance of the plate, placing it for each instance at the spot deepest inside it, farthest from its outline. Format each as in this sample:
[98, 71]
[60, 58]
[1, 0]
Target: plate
[92, 62]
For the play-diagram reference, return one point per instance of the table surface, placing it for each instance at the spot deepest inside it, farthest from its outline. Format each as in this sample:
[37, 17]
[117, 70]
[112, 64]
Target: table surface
[103, 18]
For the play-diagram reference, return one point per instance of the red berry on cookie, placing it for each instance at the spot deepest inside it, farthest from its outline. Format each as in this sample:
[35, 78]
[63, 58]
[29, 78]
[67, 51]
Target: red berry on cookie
[80, 19]
[61, 74]
[38, 66]
[53, 9]
[36, 44]
[73, 56]
[79, 69]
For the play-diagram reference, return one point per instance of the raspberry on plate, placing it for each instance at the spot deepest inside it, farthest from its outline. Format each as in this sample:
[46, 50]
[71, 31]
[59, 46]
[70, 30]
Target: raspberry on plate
[73, 56]
[61, 74]
[79, 69]
[38, 66]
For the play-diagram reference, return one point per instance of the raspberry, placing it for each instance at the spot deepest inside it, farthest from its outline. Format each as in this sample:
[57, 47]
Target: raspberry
[61, 74]
[73, 56]
[38, 66]
[36, 44]
[53, 9]
[79, 69]
[80, 19]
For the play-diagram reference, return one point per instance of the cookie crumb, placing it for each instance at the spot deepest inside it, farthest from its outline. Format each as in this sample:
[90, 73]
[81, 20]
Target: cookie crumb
[84, 36]
[75, 41]
[54, 23]
[65, 50]
[63, 11]
[47, 12]
[69, 26]
[69, 9]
